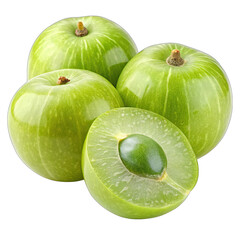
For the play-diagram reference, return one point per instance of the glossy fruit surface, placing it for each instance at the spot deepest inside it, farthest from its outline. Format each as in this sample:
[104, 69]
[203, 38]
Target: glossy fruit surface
[142, 156]
[105, 49]
[48, 122]
[120, 190]
[195, 96]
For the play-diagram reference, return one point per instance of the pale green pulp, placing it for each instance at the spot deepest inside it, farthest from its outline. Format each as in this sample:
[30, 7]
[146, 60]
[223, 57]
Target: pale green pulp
[48, 122]
[123, 192]
[105, 50]
[196, 96]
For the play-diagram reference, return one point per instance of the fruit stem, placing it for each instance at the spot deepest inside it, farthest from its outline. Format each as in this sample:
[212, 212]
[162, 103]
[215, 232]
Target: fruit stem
[62, 80]
[175, 59]
[81, 31]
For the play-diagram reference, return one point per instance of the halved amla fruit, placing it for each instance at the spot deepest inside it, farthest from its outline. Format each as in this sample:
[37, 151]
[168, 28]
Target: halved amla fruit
[137, 164]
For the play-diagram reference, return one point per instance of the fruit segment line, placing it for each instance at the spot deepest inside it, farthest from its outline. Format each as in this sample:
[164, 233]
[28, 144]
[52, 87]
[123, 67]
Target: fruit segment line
[38, 140]
[168, 180]
[104, 35]
[166, 96]
[188, 109]
[214, 86]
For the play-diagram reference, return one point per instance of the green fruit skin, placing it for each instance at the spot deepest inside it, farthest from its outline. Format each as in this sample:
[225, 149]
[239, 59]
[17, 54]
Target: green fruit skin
[105, 50]
[111, 201]
[143, 156]
[196, 96]
[48, 122]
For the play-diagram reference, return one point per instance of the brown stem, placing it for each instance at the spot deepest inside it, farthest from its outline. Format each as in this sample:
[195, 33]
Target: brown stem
[175, 59]
[81, 31]
[62, 80]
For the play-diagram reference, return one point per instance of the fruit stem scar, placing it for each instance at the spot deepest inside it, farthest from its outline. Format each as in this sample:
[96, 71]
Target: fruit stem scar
[81, 31]
[62, 80]
[175, 58]
[121, 136]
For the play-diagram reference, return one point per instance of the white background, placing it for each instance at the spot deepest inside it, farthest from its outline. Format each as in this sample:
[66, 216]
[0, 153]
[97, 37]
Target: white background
[32, 207]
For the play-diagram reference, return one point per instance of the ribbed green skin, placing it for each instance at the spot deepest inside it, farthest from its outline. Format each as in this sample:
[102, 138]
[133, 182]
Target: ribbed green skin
[105, 50]
[195, 96]
[48, 122]
[123, 192]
